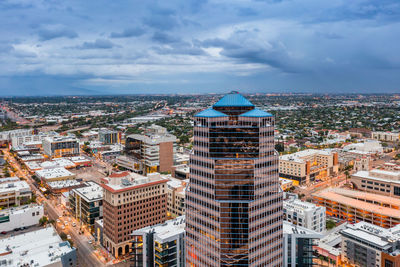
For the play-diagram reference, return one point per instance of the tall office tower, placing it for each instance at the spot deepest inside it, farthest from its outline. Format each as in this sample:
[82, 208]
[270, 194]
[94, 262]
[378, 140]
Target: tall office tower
[233, 202]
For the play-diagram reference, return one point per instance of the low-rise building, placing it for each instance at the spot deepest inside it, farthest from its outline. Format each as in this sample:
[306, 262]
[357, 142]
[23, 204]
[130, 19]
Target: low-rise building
[376, 181]
[386, 136]
[362, 163]
[23, 216]
[355, 206]
[130, 202]
[176, 197]
[14, 194]
[108, 137]
[54, 174]
[42, 247]
[181, 171]
[304, 214]
[61, 146]
[86, 203]
[308, 165]
[365, 244]
[160, 245]
[298, 245]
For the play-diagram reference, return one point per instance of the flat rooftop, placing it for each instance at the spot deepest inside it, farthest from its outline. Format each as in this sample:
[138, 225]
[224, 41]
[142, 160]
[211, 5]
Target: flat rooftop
[20, 186]
[54, 173]
[165, 232]
[331, 195]
[290, 228]
[90, 192]
[38, 248]
[124, 181]
[301, 155]
[20, 209]
[63, 184]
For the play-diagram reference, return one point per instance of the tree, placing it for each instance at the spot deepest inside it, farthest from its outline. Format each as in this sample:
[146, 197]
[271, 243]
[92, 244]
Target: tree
[63, 236]
[330, 224]
[43, 220]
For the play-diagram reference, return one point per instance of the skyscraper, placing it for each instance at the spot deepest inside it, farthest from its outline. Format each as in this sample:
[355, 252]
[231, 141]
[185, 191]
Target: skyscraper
[233, 203]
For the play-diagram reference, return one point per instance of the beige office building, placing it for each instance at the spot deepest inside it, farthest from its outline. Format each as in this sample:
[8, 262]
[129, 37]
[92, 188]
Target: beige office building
[378, 181]
[308, 165]
[386, 136]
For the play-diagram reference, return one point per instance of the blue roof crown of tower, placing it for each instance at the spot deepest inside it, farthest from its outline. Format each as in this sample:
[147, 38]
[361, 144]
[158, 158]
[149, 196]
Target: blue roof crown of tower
[233, 99]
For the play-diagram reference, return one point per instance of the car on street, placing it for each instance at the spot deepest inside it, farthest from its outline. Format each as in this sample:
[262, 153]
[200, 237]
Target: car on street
[68, 237]
[90, 241]
[73, 224]
[62, 227]
[3, 232]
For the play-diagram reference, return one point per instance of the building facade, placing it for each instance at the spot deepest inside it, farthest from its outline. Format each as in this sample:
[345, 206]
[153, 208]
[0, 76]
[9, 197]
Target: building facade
[365, 244]
[61, 146]
[298, 243]
[380, 182]
[14, 194]
[305, 214]
[234, 201]
[176, 197]
[23, 216]
[131, 202]
[161, 245]
[386, 136]
[155, 149]
[308, 165]
[86, 203]
[109, 137]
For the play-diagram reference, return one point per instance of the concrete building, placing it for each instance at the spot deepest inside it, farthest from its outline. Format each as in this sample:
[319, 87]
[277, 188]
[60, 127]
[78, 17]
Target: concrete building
[14, 193]
[176, 197]
[54, 174]
[109, 137]
[355, 206]
[386, 136]
[305, 214]
[129, 163]
[180, 171]
[329, 247]
[368, 147]
[376, 181]
[6, 136]
[362, 163]
[298, 245]
[155, 149]
[130, 202]
[61, 146]
[23, 216]
[308, 165]
[160, 245]
[365, 244]
[234, 200]
[42, 248]
[86, 203]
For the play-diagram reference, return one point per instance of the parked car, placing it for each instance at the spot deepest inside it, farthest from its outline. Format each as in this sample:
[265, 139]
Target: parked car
[68, 237]
[3, 233]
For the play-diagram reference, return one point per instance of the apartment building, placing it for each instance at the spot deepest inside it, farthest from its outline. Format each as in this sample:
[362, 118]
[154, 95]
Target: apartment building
[368, 245]
[14, 193]
[160, 245]
[109, 137]
[376, 181]
[86, 203]
[155, 149]
[305, 214]
[23, 216]
[61, 146]
[176, 197]
[130, 202]
[386, 136]
[356, 206]
[298, 243]
[308, 165]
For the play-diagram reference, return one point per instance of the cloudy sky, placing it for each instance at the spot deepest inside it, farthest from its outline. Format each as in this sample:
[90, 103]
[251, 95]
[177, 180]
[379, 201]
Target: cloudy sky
[52, 47]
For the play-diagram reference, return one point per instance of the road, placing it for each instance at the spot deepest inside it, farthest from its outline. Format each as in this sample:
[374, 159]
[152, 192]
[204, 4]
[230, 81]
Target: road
[85, 252]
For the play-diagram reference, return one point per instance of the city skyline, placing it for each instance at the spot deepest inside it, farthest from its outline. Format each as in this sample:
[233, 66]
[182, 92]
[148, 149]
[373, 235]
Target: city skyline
[76, 48]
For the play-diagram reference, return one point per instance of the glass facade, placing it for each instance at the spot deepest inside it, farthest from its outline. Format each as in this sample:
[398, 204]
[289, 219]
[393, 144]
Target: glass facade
[233, 203]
